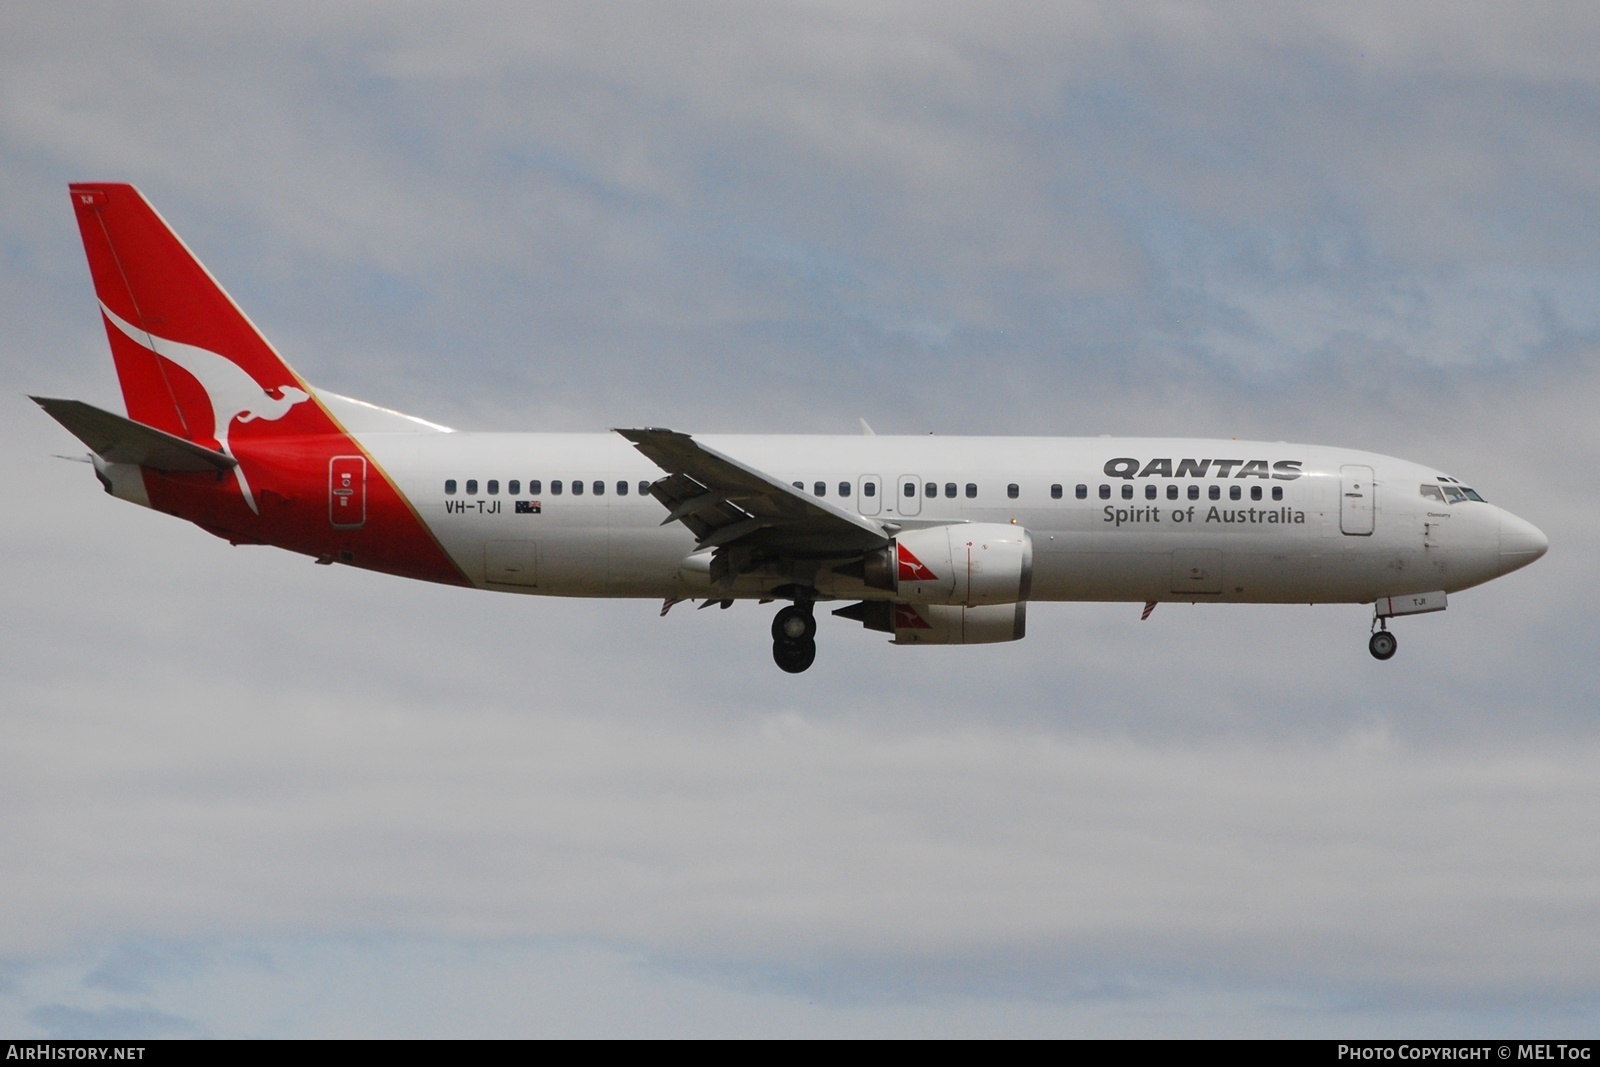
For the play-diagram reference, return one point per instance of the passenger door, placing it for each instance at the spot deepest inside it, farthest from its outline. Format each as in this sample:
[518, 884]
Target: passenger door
[1355, 500]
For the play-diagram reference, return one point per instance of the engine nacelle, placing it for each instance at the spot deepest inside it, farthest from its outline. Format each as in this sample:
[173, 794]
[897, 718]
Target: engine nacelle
[953, 624]
[967, 564]
[941, 624]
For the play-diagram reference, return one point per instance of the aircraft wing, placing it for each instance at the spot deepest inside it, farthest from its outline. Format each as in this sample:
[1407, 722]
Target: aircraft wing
[723, 501]
[119, 440]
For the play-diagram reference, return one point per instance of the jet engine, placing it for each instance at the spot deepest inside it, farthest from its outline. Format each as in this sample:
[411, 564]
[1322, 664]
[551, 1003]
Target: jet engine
[963, 584]
[967, 564]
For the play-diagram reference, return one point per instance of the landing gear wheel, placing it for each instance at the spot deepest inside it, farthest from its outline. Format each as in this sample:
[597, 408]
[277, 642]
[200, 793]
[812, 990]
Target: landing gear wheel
[794, 623]
[1382, 645]
[794, 631]
[794, 656]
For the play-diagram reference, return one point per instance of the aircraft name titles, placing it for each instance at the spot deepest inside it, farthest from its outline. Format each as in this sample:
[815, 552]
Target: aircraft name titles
[1284, 470]
[1228, 516]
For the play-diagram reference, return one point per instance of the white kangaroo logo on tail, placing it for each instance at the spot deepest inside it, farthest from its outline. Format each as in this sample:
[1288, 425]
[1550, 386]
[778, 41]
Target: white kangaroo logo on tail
[232, 392]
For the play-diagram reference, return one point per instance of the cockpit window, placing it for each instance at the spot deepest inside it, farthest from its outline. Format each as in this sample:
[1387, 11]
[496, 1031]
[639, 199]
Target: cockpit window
[1451, 493]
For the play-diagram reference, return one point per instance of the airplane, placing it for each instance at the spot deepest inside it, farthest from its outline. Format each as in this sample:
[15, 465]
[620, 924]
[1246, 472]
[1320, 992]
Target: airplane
[933, 540]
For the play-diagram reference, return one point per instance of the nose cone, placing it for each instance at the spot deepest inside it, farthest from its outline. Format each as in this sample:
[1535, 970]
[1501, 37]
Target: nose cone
[1521, 542]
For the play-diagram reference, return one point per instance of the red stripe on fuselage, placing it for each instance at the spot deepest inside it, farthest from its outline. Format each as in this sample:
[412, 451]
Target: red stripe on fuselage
[288, 475]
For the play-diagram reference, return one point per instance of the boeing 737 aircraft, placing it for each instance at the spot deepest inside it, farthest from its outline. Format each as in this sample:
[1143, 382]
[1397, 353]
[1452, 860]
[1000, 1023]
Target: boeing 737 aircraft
[933, 540]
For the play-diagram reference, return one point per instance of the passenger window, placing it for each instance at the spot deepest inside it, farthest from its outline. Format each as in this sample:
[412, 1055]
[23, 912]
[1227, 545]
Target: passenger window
[869, 489]
[1149, 492]
[1214, 492]
[577, 487]
[799, 485]
[535, 487]
[1105, 492]
[1082, 492]
[1277, 492]
[514, 487]
[950, 490]
[622, 488]
[599, 488]
[1011, 490]
[644, 487]
[1055, 491]
[820, 489]
[494, 487]
[972, 490]
[930, 490]
[1233, 492]
[450, 487]
[1127, 491]
[910, 489]
[1194, 492]
[472, 487]
[1255, 492]
[844, 488]
[1172, 492]
[555, 487]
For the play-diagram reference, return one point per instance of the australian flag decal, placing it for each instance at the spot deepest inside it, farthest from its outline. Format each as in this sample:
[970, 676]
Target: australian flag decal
[527, 507]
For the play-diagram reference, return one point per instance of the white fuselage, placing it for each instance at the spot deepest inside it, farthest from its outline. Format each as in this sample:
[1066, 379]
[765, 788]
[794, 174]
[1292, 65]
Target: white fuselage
[1228, 521]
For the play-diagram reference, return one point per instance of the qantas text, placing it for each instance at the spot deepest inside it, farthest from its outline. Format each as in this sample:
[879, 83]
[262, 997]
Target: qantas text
[1284, 470]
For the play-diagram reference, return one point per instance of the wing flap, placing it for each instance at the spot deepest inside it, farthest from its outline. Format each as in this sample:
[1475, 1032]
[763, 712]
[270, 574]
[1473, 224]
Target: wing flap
[120, 440]
[723, 501]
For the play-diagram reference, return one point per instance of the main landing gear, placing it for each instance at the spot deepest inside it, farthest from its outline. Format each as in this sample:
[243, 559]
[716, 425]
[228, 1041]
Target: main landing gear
[794, 631]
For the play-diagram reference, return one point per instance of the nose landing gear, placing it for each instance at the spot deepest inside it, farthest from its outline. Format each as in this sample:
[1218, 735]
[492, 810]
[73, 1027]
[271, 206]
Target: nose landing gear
[794, 630]
[1382, 644]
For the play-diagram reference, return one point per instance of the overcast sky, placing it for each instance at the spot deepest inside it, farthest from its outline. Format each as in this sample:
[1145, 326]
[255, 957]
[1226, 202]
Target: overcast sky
[241, 795]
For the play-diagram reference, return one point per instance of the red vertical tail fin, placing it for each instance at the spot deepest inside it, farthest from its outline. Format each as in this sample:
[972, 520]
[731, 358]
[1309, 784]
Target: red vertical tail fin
[189, 361]
[193, 366]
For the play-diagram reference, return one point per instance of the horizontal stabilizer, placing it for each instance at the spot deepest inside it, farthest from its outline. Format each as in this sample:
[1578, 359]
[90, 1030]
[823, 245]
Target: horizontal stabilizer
[119, 440]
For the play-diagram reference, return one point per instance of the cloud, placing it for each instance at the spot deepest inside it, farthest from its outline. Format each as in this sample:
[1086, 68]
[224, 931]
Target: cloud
[1359, 227]
[66, 1023]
